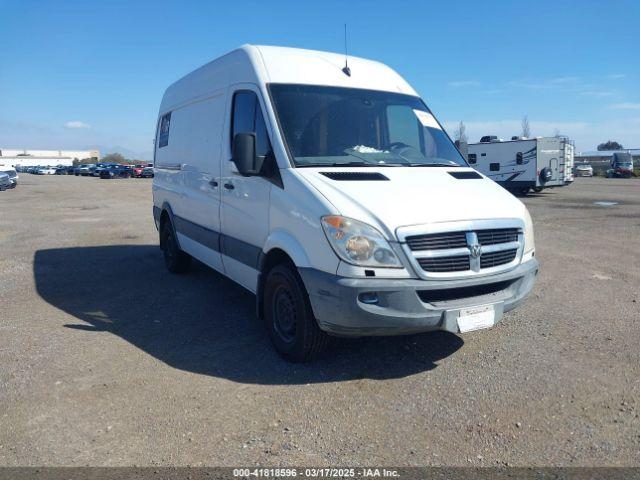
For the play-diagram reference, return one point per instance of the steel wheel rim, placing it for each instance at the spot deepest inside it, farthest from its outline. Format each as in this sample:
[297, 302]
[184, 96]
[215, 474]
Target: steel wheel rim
[284, 314]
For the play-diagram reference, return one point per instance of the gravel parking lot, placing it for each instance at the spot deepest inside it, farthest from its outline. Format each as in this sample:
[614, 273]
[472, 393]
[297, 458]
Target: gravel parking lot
[106, 359]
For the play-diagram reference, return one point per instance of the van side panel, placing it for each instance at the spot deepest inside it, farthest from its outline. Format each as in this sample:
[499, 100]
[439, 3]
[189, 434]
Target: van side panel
[198, 131]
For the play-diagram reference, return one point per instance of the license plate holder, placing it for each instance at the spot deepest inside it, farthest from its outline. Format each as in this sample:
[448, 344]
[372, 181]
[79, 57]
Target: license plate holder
[476, 318]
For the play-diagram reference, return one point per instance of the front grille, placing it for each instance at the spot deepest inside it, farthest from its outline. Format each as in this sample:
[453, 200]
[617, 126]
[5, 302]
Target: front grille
[458, 263]
[495, 259]
[438, 241]
[454, 252]
[499, 235]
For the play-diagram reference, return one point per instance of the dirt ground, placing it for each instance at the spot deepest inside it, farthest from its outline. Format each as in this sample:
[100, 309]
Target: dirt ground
[106, 359]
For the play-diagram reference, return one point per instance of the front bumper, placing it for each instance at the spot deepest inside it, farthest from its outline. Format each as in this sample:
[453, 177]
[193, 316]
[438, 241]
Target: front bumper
[410, 305]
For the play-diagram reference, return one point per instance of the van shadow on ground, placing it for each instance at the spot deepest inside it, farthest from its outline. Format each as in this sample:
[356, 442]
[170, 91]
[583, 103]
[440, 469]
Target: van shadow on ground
[203, 322]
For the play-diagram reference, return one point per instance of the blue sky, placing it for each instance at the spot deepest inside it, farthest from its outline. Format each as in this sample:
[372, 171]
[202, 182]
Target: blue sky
[77, 74]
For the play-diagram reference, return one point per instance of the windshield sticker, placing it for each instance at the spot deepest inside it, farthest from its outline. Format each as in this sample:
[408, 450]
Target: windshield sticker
[426, 119]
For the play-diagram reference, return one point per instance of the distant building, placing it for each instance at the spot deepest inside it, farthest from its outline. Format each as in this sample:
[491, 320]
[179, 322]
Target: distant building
[601, 160]
[28, 158]
[605, 155]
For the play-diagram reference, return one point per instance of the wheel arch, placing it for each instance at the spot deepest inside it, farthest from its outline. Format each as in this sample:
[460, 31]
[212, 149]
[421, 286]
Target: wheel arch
[280, 247]
[166, 214]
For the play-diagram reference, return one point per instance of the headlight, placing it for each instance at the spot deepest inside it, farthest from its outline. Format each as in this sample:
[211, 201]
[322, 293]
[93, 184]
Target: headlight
[358, 243]
[529, 244]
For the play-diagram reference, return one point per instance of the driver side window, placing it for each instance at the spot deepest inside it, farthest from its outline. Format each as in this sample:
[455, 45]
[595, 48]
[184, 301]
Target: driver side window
[247, 118]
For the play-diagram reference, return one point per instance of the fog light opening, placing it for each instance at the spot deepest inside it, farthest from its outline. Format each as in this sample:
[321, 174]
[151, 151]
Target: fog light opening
[370, 298]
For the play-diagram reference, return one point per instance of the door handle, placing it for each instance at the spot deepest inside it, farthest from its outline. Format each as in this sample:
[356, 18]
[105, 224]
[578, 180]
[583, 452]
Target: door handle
[213, 183]
[229, 186]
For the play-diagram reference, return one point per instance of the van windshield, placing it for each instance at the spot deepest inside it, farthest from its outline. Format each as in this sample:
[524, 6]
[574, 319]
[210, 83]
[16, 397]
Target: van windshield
[334, 126]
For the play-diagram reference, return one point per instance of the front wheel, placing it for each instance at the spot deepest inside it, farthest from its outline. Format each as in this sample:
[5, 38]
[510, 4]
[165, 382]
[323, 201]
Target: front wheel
[292, 327]
[175, 259]
[538, 189]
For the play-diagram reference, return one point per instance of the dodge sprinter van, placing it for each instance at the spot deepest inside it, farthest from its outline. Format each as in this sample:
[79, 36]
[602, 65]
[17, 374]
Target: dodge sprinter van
[335, 196]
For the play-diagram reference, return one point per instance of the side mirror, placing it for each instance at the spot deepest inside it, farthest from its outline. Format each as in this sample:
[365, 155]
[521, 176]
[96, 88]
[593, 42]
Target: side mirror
[244, 154]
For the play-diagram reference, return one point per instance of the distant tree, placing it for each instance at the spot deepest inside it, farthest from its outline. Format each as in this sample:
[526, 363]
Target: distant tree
[460, 134]
[526, 128]
[610, 145]
[113, 158]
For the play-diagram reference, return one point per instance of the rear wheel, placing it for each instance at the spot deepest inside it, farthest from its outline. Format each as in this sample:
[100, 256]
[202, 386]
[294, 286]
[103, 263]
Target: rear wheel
[292, 327]
[175, 259]
[538, 189]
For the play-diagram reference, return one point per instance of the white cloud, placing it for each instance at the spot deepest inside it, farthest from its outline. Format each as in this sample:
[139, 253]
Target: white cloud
[625, 106]
[597, 93]
[564, 80]
[535, 85]
[616, 76]
[77, 124]
[464, 83]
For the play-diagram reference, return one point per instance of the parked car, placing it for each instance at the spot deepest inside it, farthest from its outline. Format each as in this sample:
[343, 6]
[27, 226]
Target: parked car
[137, 170]
[147, 172]
[621, 165]
[584, 170]
[46, 171]
[115, 171]
[345, 207]
[61, 170]
[86, 169]
[5, 182]
[12, 173]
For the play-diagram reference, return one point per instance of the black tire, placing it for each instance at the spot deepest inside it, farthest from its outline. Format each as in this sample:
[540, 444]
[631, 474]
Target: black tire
[538, 189]
[175, 259]
[292, 327]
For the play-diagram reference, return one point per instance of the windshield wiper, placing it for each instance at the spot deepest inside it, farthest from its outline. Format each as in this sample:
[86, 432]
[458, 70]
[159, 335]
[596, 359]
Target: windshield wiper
[433, 165]
[351, 164]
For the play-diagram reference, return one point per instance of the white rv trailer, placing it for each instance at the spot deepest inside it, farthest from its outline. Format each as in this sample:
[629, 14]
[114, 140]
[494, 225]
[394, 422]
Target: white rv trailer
[523, 164]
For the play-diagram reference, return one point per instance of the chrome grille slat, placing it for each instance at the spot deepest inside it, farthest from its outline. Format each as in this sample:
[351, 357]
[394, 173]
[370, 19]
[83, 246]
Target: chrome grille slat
[498, 235]
[495, 259]
[445, 264]
[437, 241]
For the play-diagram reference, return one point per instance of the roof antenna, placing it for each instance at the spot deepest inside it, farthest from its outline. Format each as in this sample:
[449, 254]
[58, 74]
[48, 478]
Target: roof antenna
[346, 70]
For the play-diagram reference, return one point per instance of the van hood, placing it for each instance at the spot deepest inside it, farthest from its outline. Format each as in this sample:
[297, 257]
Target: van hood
[414, 196]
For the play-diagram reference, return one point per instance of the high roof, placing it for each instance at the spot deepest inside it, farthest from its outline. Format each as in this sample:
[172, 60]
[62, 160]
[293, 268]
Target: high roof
[261, 64]
[296, 65]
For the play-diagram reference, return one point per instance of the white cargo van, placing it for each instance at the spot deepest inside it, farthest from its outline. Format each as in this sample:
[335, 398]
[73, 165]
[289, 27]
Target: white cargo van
[335, 196]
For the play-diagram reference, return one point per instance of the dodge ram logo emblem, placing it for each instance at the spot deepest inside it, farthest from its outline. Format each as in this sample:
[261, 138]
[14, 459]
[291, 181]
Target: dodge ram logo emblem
[475, 250]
